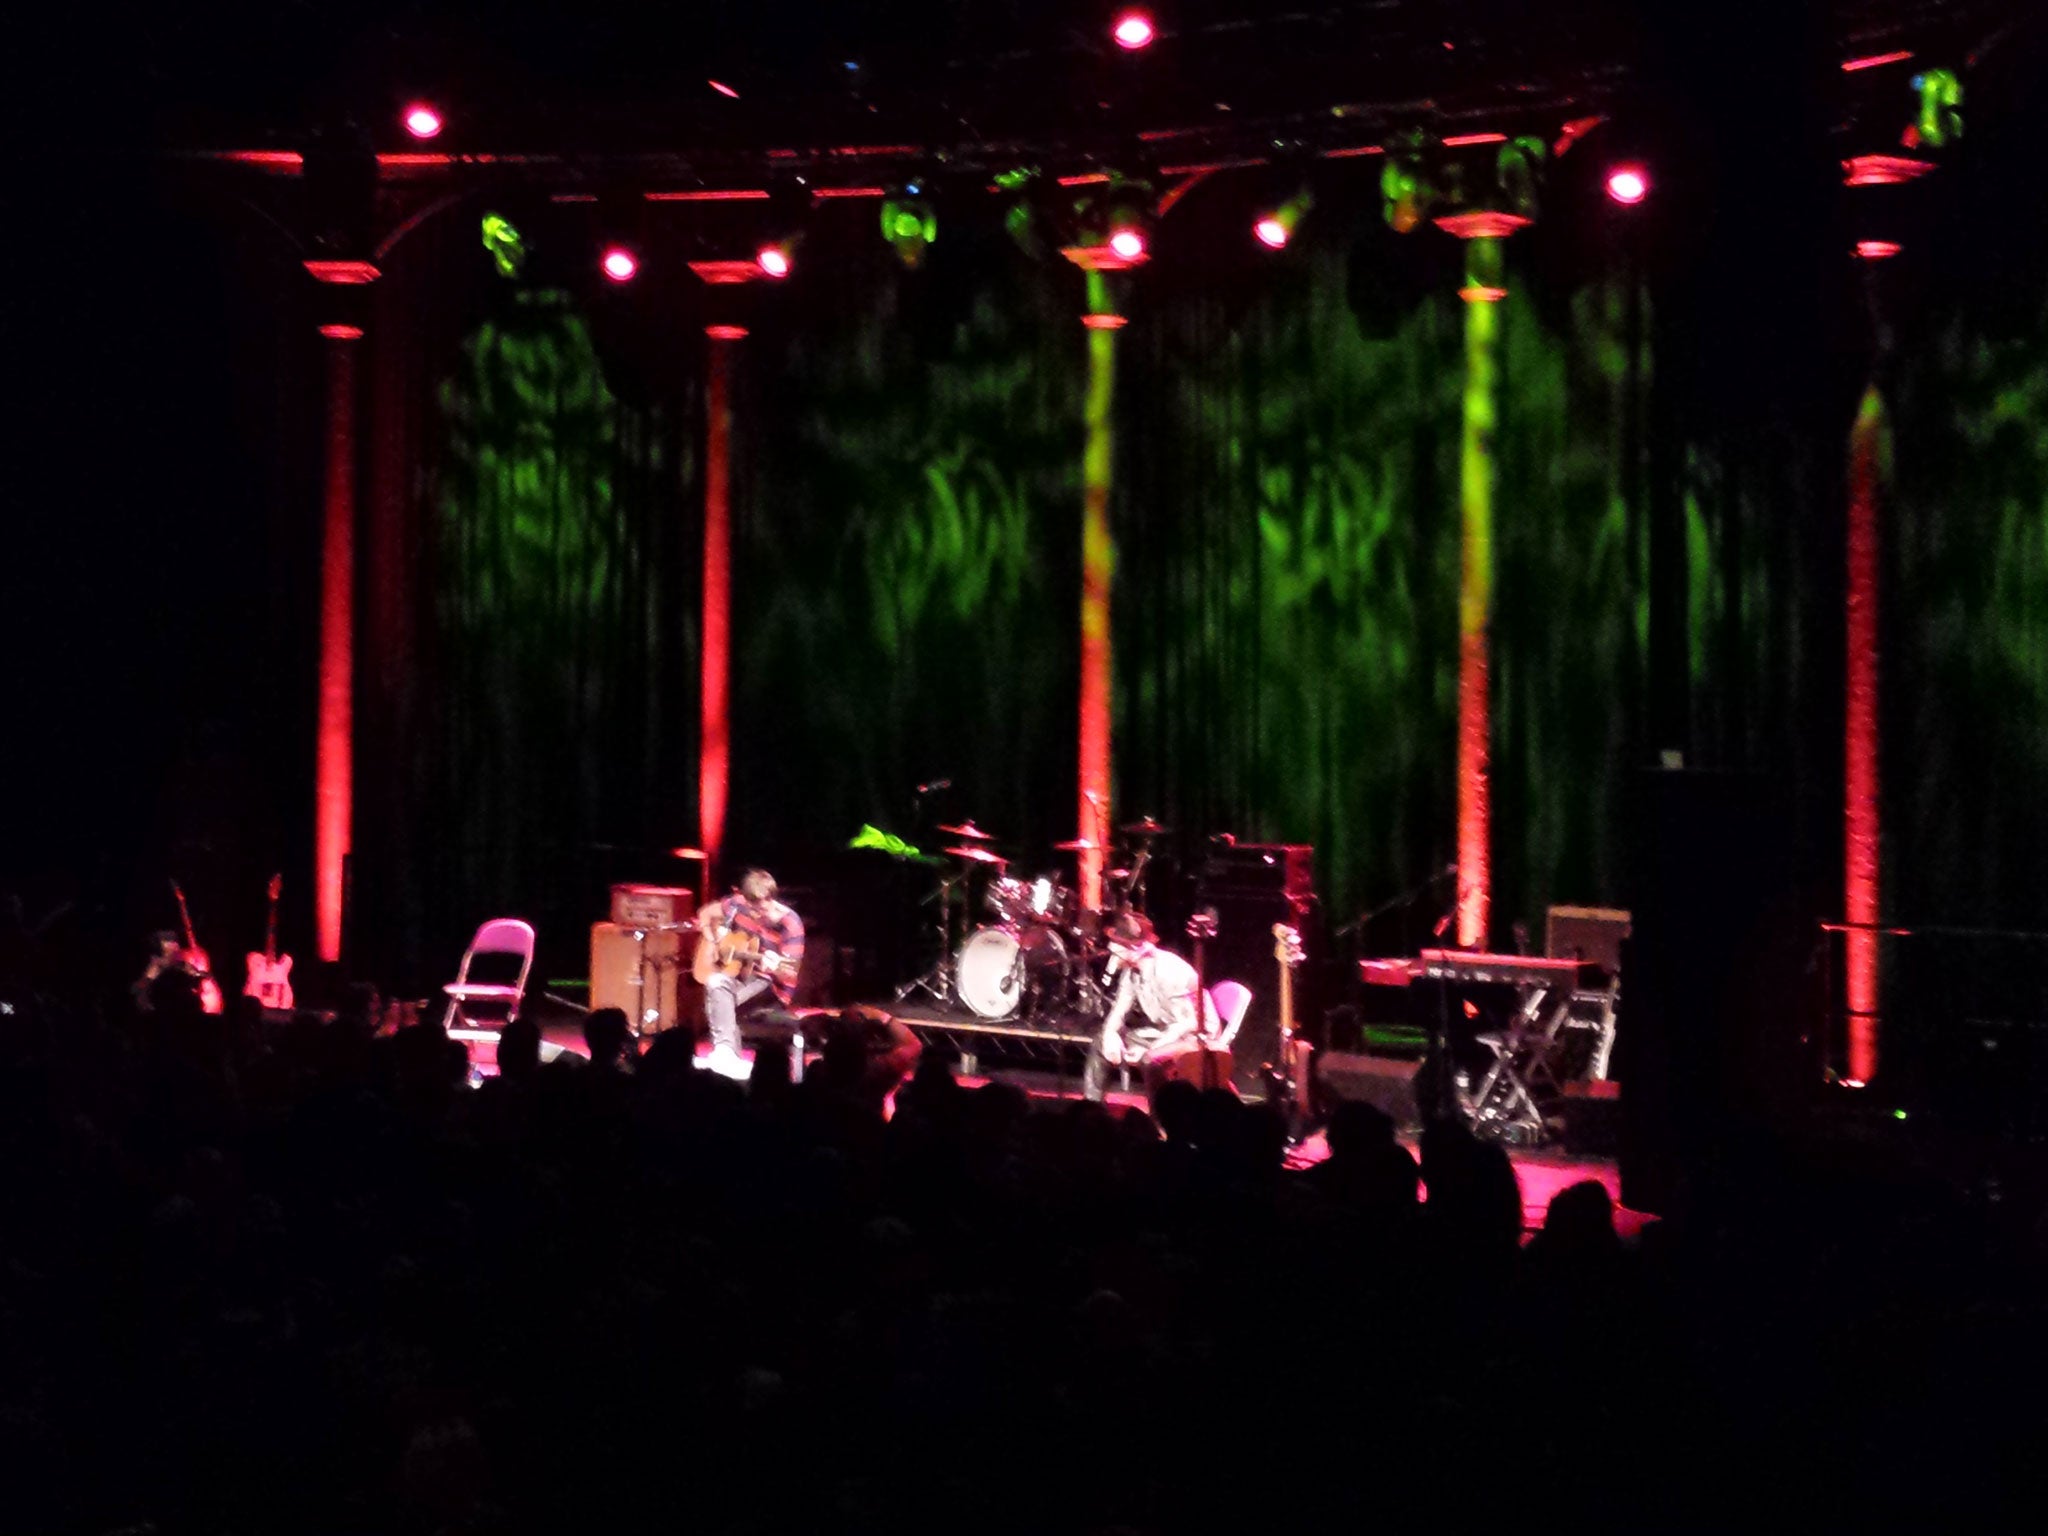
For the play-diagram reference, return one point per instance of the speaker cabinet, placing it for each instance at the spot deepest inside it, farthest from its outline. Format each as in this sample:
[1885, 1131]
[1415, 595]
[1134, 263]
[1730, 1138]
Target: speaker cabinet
[645, 972]
[1385, 1082]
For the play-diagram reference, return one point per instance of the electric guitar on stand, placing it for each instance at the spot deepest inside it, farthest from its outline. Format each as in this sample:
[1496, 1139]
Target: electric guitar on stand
[195, 960]
[270, 974]
[1289, 1084]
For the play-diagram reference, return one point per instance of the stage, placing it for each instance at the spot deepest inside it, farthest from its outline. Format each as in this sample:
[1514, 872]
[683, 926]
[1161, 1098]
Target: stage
[1541, 1173]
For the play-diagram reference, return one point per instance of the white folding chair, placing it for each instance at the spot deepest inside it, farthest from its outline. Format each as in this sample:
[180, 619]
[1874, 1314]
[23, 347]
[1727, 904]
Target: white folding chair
[495, 1003]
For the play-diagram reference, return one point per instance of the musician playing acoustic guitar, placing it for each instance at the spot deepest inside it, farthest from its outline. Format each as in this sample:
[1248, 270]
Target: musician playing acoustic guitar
[745, 944]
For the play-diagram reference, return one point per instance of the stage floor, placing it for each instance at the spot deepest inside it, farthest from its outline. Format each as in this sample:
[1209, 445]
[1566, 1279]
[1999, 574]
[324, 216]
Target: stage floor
[1541, 1172]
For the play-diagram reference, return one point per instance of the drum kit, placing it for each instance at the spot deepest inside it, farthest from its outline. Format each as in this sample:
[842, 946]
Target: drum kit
[1036, 950]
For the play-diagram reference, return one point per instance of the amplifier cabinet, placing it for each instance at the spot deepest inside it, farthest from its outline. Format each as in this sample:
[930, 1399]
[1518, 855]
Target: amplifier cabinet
[653, 906]
[644, 972]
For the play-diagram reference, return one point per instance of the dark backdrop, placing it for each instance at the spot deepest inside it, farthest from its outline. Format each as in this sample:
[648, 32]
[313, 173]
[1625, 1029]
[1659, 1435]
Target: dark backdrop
[907, 512]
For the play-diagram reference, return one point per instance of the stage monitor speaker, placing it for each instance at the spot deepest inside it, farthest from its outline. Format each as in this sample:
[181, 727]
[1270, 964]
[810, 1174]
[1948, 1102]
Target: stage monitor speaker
[644, 972]
[1710, 1037]
[1385, 1082]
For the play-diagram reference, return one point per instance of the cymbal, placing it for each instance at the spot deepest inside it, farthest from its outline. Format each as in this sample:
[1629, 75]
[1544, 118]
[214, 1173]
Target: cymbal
[1144, 827]
[1116, 874]
[1079, 845]
[977, 855]
[968, 830]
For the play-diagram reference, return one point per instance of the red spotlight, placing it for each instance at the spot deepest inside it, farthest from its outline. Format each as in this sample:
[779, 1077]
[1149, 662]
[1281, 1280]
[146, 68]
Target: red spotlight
[773, 260]
[1272, 233]
[619, 264]
[1127, 243]
[1133, 30]
[1628, 184]
[422, 121]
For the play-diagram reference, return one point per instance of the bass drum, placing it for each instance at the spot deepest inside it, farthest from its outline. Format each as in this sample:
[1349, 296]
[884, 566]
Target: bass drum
[997, 968]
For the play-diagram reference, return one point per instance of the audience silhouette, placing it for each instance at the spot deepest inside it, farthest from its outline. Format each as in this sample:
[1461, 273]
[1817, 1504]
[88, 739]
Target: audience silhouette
[290, 1276]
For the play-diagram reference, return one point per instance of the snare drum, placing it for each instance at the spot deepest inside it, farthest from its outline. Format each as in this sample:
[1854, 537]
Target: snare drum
[997, 968]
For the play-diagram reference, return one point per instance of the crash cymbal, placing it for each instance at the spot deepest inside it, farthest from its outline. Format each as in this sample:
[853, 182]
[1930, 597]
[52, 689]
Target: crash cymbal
[1079, 845]
[1144, 827]
[977, 855]
[968, 830]
[1116, 874]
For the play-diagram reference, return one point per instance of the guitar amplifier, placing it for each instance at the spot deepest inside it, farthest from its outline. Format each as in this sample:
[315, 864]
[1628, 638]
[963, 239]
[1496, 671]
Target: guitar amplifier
[652, 906]
[1285, 870]
[644, 972]
[1587, 933]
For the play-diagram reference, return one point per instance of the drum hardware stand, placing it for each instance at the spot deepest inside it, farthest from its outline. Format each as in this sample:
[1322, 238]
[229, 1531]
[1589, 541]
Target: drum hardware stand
[1134, 888]
[937, 982]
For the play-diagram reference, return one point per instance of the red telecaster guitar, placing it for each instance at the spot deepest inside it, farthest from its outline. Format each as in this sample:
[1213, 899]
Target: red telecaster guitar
[270, 974]
[195, 960]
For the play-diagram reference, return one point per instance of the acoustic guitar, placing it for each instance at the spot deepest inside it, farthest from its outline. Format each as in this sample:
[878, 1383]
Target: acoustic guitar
[724, 951]
[196, 960]
[270, 974]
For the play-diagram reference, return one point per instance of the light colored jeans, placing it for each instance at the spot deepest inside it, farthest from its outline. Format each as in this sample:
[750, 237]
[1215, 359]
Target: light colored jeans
[723, 999]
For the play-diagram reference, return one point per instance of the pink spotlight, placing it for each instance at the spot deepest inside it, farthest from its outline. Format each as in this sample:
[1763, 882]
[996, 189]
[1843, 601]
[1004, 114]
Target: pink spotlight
[1133, 30]
[1628, 184]
[619, 264]
[422, 121]
[773, 260]
[1127, 243]
[1271, 232]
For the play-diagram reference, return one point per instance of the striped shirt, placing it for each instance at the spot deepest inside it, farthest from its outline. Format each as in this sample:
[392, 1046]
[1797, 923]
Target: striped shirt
[780, 932]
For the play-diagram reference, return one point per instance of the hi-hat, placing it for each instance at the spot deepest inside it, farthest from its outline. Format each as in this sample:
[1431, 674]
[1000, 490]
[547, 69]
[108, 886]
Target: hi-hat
[1144, 827]
[978, 855]
[1078, 845]
[968, 830]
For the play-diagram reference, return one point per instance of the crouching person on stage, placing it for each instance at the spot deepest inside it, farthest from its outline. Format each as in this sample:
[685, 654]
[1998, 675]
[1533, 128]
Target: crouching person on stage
[746, 944]
[1168, 1036]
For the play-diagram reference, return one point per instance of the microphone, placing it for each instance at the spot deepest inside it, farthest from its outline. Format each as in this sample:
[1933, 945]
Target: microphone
[925, 789]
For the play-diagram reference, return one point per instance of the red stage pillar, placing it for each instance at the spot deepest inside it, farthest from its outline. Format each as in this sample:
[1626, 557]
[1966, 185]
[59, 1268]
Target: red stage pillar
[1098, 567]
[334, 768]
[1483, 234]
[714, 751]
[1869, 451]
[1098, 572]
[334, 744]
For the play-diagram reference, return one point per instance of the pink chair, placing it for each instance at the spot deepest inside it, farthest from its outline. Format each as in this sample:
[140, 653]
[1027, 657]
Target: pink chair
[1230, 999]
[497, 1003]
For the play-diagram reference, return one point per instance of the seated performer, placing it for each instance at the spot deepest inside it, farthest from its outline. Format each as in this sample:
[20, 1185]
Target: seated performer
[1162, 985]
[746, 943]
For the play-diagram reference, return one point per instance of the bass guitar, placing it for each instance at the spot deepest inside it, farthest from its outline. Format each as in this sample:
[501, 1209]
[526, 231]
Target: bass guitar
[1289, 1085]
[270, 974]
[196, 960]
